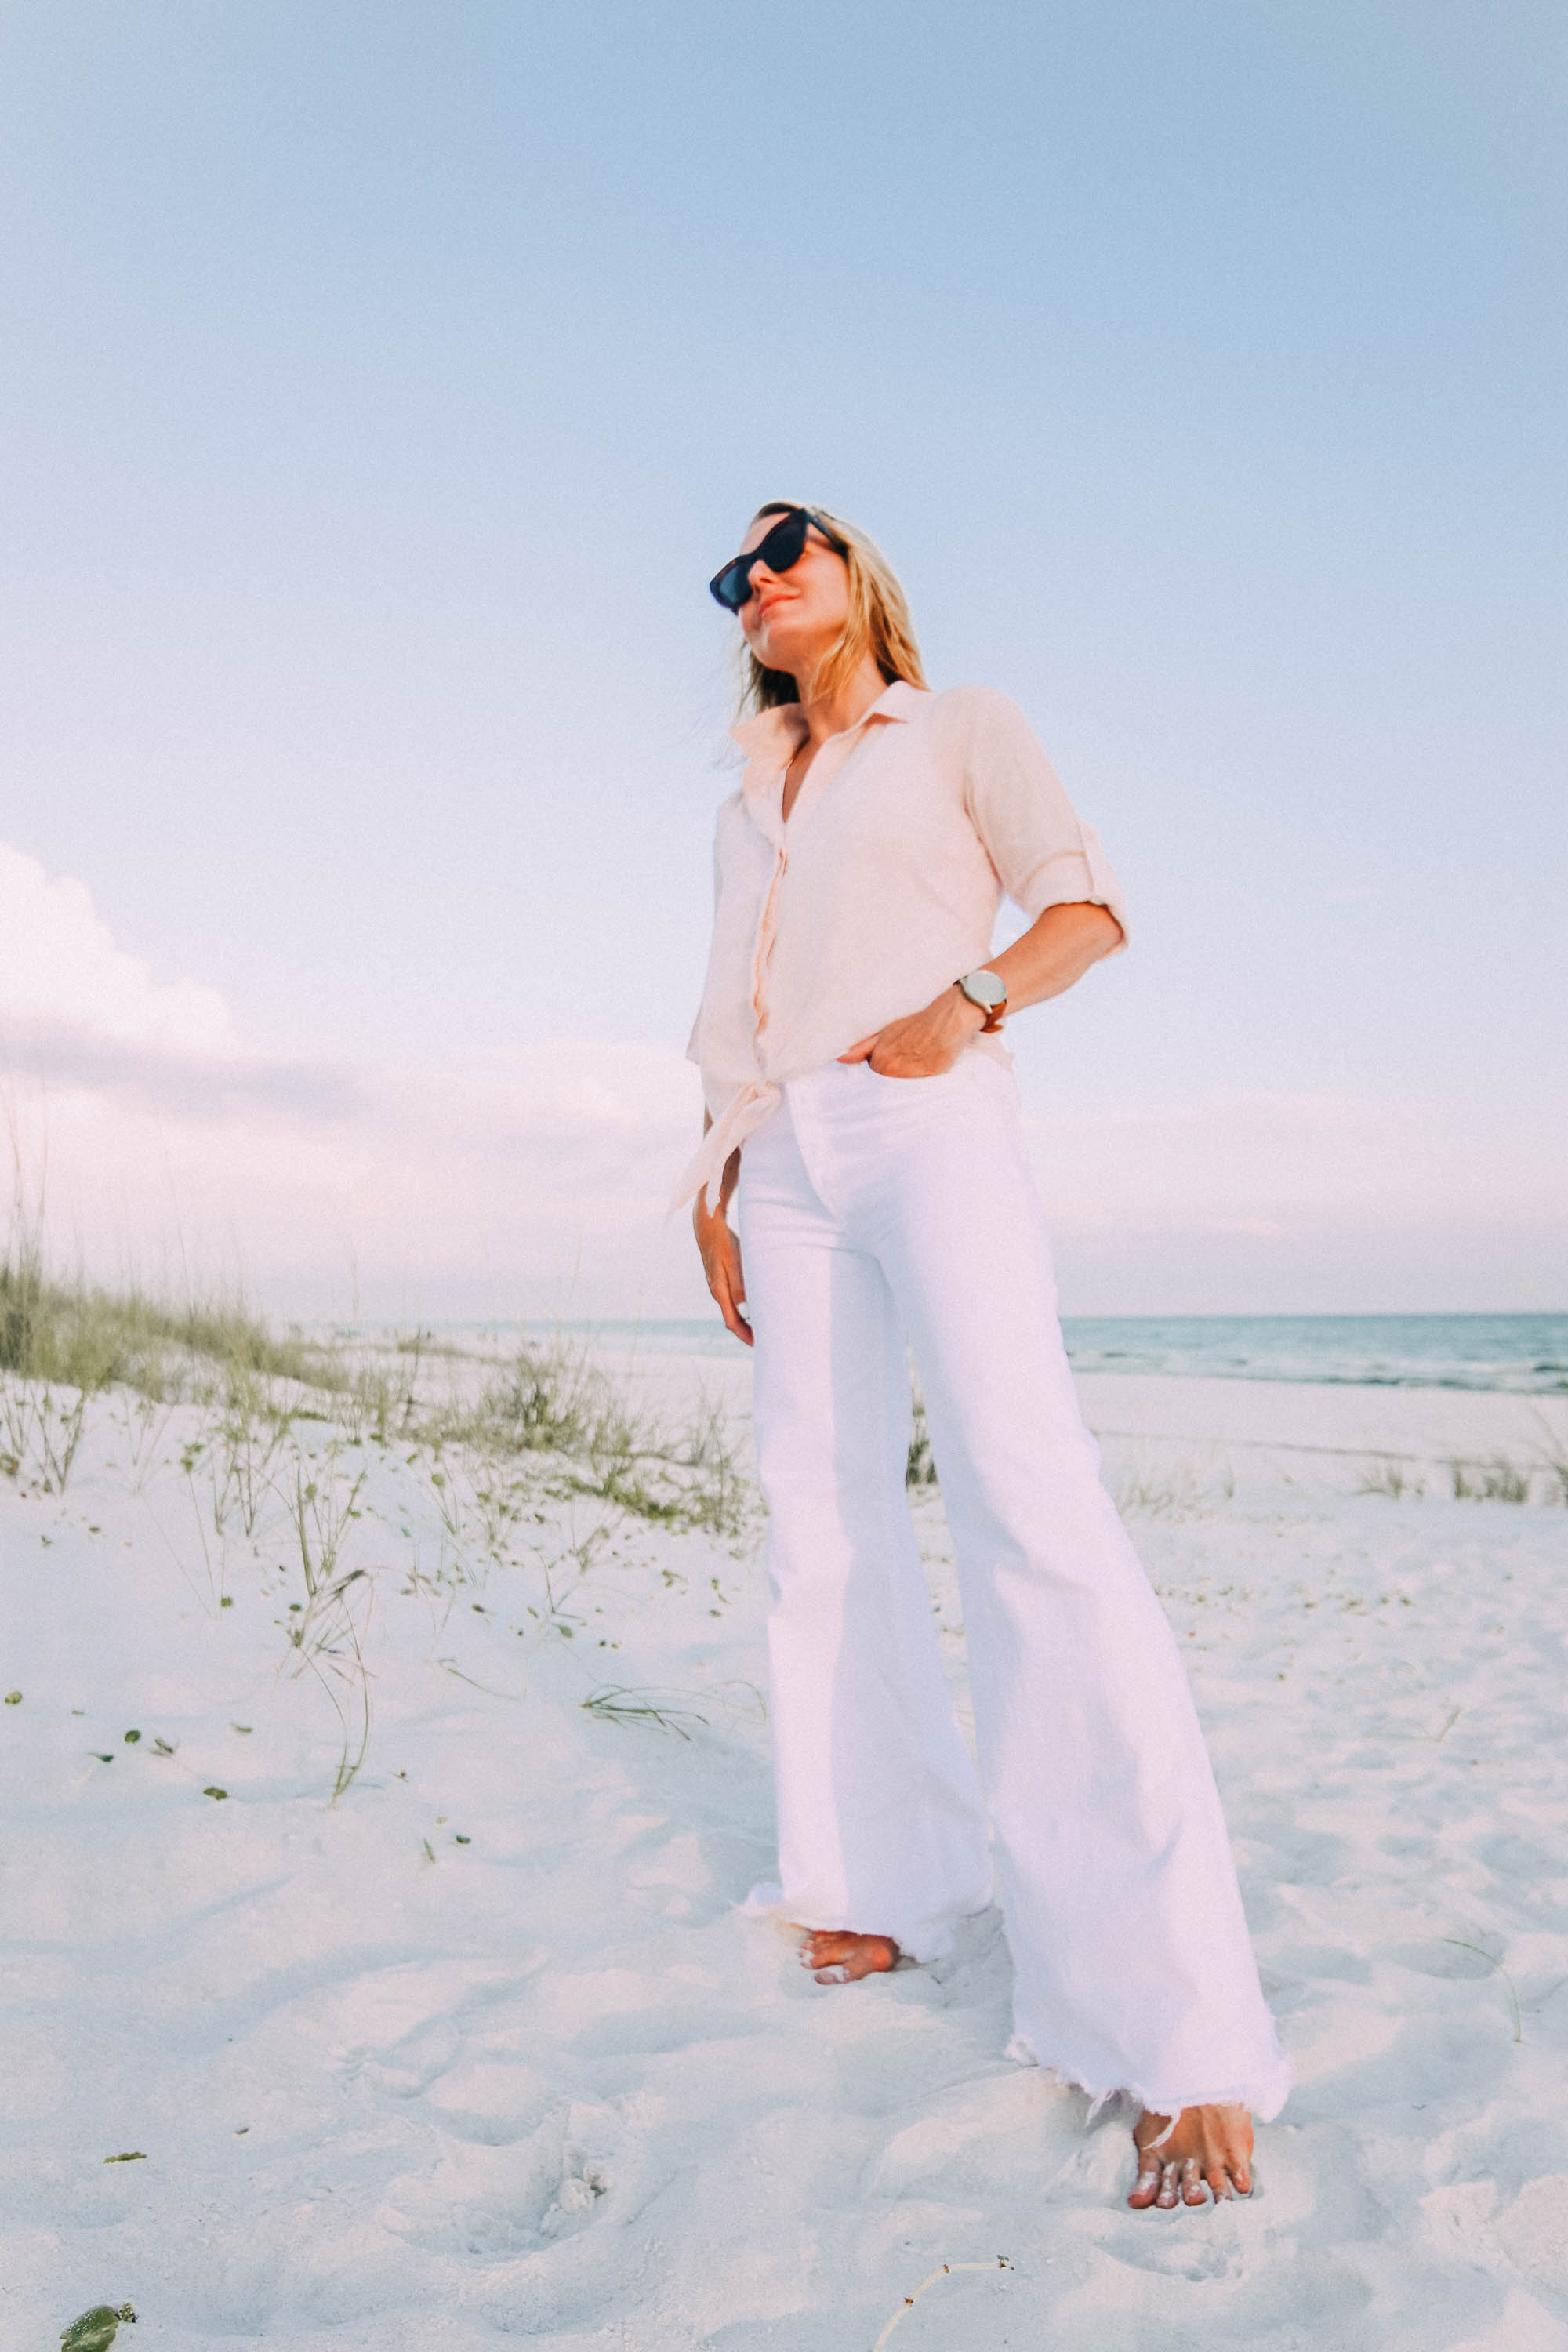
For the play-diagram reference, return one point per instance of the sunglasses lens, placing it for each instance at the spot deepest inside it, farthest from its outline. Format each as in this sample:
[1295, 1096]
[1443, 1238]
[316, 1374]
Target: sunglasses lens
[733, 584]
[785, 545]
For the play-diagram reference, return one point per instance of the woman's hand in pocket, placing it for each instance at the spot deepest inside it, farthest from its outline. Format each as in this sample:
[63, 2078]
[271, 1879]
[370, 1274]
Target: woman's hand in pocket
[922, 1044]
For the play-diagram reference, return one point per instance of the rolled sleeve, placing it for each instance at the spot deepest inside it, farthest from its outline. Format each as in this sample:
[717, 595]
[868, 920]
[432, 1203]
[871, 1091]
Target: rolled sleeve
[1044, 855]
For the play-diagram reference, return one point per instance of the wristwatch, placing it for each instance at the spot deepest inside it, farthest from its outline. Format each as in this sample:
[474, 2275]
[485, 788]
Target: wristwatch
[989, 991]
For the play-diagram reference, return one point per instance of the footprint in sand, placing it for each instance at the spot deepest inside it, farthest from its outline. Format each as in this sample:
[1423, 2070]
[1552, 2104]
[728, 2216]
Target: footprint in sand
[491, 2202]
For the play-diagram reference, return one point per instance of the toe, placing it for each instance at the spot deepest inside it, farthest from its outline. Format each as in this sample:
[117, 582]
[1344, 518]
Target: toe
[1148, 2184]
[837, 1956]
[1167, 2197]
[1192, 2182]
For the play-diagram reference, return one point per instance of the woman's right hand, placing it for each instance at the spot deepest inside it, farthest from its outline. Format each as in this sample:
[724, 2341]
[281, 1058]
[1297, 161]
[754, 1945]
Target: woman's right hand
[721, 1255]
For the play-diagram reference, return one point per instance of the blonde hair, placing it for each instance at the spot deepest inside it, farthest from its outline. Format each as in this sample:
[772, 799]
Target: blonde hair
[879, 623]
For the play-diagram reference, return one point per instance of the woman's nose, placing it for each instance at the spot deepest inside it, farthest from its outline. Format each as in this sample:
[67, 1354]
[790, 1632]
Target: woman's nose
[760, 578]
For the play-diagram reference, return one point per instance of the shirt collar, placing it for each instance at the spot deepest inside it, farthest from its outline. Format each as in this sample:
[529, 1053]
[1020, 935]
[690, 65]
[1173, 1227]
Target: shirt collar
[776, 733]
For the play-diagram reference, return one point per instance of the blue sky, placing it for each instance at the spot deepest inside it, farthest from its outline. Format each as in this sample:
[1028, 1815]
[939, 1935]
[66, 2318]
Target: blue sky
[382, 383]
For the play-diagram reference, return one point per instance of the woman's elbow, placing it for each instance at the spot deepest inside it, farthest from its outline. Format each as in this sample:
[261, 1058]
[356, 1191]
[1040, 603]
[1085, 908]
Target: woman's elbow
[1099, 931]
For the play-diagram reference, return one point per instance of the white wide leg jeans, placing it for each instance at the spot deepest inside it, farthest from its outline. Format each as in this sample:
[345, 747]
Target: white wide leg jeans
[877, 1214]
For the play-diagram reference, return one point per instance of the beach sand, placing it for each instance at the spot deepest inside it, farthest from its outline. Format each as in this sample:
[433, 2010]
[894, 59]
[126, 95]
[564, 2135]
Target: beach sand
[485, 2050]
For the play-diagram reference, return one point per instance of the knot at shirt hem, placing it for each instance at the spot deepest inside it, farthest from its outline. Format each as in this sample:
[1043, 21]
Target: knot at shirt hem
[741, 1115]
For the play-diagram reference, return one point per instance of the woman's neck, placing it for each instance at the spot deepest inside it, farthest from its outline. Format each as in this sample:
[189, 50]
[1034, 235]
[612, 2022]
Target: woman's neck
[836, 713]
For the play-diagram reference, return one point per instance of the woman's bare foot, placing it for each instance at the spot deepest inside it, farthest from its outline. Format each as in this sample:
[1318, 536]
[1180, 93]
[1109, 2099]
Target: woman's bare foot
[1211, 2144]
[837, 1957]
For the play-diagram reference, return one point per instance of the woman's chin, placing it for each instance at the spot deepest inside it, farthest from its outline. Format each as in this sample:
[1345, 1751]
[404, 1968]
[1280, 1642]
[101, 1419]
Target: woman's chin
[785, 649]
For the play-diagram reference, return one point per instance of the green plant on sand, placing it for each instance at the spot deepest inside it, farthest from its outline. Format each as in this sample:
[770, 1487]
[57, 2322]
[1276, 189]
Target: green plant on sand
[1553, 1459]
[328, 1637]
[553, 1400]
[96, 2330]
[62, 1341]
[1388, 1475]
[1496, 1481]
[77, 1334]
[920, 1465]
[507, 1443]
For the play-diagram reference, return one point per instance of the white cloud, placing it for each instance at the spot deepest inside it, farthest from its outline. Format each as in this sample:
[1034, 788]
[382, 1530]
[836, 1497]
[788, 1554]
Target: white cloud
[61, 972]
[536, 1180]
[530, 1183]
[504, 1183]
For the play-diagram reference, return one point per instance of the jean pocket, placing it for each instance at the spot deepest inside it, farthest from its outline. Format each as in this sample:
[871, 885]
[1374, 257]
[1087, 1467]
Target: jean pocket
[932, 1078]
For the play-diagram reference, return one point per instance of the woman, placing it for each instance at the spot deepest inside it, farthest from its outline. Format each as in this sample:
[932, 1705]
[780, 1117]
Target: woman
[862, 1114]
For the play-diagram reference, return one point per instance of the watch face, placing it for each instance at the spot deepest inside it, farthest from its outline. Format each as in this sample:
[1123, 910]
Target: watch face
[984, 988]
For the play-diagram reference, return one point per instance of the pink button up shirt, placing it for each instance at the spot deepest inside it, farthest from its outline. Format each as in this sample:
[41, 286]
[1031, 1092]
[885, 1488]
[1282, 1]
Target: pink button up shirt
[880, 890]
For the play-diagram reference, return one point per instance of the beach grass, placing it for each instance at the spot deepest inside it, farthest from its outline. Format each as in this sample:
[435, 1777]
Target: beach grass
[77, 1334]
[267, 1442]
[1551, 1457]
[245, 1448]
[920, 1468]
[1387, 1474]
[621, 1702]
[64, 1339]
[1500, 1480]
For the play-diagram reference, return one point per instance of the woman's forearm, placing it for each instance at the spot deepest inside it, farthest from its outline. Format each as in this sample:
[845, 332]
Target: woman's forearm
[1055, 951]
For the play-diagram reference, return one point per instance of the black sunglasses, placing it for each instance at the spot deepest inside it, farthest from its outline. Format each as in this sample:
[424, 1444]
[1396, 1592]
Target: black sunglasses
[784, 545]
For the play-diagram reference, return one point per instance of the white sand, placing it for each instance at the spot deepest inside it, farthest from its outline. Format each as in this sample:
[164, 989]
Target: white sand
[549, 2085]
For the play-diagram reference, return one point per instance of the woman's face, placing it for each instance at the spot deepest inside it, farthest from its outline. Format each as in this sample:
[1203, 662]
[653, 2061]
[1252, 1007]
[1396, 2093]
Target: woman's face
[792, 619]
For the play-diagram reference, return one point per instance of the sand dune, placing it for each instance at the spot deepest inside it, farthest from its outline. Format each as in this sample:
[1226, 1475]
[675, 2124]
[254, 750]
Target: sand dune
[484, 2051]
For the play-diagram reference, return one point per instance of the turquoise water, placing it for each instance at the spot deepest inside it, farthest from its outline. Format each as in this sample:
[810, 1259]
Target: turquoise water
[1525, 1353]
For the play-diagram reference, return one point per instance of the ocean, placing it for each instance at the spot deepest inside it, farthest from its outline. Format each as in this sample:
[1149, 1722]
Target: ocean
[1524, 1354]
